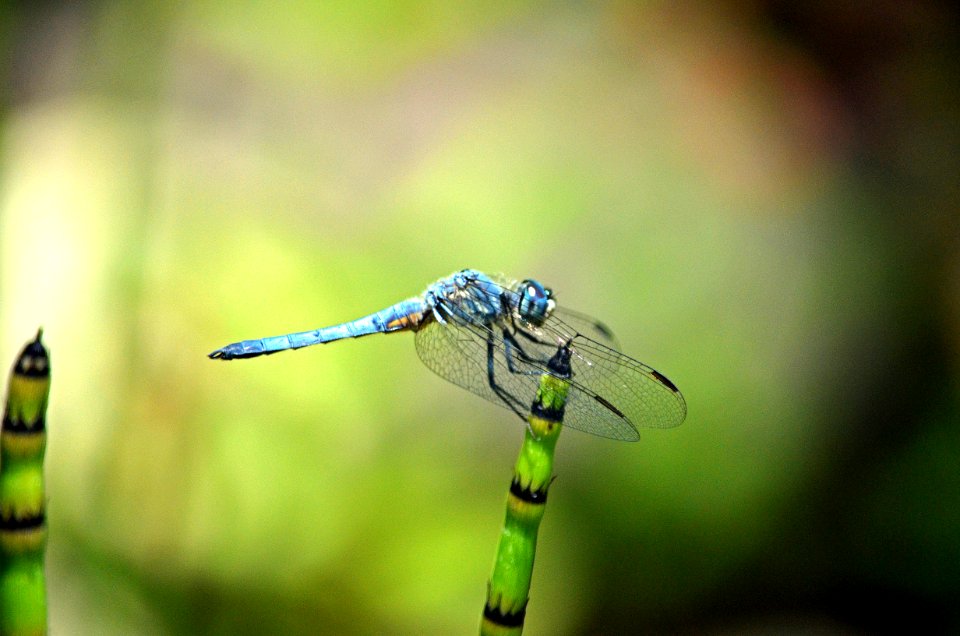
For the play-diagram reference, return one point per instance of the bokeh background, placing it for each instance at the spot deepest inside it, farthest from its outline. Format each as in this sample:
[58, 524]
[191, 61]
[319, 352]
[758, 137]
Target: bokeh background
[761, 199]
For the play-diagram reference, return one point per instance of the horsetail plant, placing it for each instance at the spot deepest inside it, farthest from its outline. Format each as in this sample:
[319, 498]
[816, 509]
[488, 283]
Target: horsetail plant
[509, 586]
[23, 532]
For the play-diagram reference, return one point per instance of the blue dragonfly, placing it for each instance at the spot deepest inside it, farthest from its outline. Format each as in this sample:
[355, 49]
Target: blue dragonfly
[495, 337]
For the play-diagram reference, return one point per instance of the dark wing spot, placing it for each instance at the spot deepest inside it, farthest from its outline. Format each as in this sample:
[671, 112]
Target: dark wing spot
[602, 328]
[665, 381]
[609, 406]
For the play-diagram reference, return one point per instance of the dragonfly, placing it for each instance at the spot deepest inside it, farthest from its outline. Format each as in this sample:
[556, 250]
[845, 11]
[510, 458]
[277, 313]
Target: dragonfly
[495, 336]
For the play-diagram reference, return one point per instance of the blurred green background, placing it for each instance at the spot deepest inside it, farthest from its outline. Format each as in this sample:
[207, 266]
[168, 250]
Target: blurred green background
[760, 199]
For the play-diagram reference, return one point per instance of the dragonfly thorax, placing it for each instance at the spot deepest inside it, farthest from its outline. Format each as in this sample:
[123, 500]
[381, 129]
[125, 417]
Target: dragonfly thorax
[535, 302]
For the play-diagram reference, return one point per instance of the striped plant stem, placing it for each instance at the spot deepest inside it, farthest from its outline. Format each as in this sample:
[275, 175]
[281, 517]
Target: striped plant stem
[23, 533]
[509, 586]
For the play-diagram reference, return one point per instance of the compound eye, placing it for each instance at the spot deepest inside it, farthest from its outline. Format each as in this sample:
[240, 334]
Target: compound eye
[535, 302]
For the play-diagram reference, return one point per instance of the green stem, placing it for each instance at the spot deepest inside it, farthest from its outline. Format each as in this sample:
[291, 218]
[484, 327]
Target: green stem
[23, 532]
[509, 587]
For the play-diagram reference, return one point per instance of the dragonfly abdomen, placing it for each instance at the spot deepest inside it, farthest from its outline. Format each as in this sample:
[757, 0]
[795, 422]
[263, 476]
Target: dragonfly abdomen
[407, 314]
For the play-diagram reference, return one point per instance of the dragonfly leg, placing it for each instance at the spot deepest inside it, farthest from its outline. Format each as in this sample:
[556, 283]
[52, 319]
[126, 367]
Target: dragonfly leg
[529, 336]
[435, 305]
[510, 343]
[508, 399]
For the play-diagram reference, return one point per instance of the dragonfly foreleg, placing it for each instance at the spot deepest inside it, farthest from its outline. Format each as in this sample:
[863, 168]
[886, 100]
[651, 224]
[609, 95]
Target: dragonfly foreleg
[510, 343]
[530, 336]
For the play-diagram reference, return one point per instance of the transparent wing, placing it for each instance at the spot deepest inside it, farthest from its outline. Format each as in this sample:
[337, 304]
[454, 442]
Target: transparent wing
[642, 394]
[584, 325]
[458, 353]
[611, 394]
[609, 382]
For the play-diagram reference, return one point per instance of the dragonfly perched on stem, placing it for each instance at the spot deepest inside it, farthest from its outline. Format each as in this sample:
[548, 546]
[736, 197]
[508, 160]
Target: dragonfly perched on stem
[495, 336]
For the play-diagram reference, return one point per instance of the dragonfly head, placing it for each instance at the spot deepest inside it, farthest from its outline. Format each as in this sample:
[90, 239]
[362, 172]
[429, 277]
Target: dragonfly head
[535, 302]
